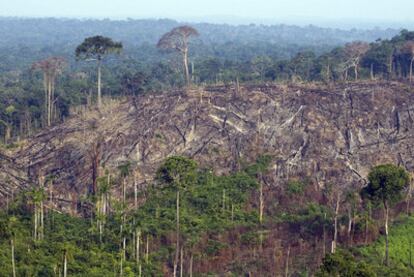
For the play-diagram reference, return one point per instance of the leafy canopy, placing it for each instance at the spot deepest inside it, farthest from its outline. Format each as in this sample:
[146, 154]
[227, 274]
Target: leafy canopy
[386, 183]
[177, 38]
[179, 171]
[97, 47]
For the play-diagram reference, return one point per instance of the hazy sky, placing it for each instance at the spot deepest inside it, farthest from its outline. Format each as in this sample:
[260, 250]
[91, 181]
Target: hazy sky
[388, 10]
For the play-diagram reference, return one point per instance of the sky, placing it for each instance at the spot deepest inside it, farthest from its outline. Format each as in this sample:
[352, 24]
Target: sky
[265, 10]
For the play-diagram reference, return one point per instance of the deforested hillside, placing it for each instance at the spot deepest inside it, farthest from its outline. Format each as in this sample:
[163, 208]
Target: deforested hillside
[308, 147]
[330, 134]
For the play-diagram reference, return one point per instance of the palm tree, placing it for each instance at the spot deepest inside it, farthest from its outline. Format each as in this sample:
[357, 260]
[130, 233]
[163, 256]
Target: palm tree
[95, 49]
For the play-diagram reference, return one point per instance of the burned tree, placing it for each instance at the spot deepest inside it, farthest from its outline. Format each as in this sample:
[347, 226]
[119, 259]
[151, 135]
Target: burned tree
[95, 49]
[51, 68]
[177, 39]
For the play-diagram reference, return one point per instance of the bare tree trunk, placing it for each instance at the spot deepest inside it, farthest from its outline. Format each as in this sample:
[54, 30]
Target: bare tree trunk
[99, 84]
[187, 72]
[49, 101]
[328, 73]
[13, 258]
[335, 238]
[135, 192]
[42, 221]
[350, 223]
[137, 246]
[45, 86]
[411, 70]
[35, 221]
[181, 261]
[177, 250]
[287, 262]
[223, 205]
[386, 233]
[147, 251]
[123, 254]
[7, 134]
[409, 195]
[324, 237]
[356, 72]
[121, 270]
[65, 264]
[191, 265]
[372, 72]
[261, 203]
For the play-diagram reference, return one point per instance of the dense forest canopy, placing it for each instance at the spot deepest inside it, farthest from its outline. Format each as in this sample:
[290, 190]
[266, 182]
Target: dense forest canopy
[39, 38]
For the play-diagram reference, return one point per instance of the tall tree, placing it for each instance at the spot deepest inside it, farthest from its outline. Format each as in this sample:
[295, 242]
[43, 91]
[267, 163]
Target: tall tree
[179, 172]
[177, 39]
[354, 52]
[385, 186]
[95, 49]
[51, 68]
[408, 48]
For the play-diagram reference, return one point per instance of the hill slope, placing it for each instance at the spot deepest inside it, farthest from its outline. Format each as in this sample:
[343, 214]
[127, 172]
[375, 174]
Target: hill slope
[331, 135]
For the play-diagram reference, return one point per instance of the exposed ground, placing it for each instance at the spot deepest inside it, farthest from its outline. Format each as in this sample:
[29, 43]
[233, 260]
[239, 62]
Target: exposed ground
[329, 134]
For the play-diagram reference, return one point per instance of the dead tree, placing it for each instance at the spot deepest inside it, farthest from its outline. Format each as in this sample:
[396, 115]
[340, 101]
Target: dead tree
[408, 48]
[95, 156]
[51, 68]
[354, 52]
[177, 39]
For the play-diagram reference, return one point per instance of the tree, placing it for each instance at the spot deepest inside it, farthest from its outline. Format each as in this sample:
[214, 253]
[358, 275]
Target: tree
[385, 186]
[10, 230]
[177, 39]
[95, 49]
[179, 172]
[379, 58]
[51, 68]
[260, 64]
[8, 124]
[334, 197]
[354, 52]
[408, 48]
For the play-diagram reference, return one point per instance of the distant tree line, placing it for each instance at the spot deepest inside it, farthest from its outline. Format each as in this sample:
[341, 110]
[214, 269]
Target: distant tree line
[30, 101]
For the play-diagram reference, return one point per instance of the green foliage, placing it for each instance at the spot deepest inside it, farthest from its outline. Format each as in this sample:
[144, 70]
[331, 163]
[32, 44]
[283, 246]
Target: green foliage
[204, 213]
[64, 233]
[370, 259]
[310, 220]
[295, 187]
[97, 47]
[386, 183]
[201, 200]
[178, 171]
[401, 243]
[260, 167]
[124, 169]
[344, 264]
